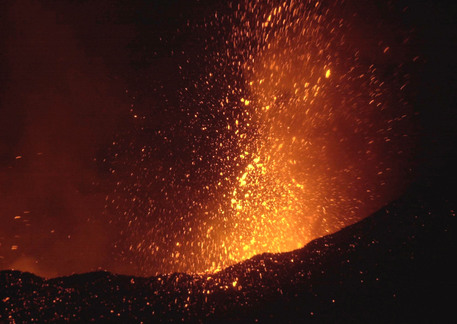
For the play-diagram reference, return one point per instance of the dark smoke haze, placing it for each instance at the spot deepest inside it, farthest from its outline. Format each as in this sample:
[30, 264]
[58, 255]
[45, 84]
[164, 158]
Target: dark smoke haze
[59, 107]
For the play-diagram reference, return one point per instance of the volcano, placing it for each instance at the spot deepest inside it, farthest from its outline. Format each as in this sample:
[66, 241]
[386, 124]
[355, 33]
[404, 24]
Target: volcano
[175, 143]
[394, 266]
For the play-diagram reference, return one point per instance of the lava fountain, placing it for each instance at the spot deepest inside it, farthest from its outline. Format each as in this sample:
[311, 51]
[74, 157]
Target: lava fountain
[287, 127]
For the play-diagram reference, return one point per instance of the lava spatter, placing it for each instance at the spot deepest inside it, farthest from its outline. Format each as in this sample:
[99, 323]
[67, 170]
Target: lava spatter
[283, 131]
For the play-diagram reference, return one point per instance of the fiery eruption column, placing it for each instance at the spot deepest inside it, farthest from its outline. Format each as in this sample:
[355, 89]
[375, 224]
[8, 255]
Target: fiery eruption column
[285, 129]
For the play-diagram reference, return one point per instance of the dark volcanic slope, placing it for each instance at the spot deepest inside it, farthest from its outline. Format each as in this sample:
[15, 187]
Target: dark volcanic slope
[395, 266]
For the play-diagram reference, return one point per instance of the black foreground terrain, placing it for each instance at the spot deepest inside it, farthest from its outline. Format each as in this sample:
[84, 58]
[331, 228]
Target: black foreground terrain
[395, 266]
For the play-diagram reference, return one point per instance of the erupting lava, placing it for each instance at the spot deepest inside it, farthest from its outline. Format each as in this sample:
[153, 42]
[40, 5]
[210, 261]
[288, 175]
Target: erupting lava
[285, 130]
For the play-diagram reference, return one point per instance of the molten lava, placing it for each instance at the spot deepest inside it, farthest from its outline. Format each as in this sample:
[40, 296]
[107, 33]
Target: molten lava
[290, 131]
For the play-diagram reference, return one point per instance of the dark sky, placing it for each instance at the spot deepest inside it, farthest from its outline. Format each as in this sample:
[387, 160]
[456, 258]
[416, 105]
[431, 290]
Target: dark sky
[65, 67]
[60, 104]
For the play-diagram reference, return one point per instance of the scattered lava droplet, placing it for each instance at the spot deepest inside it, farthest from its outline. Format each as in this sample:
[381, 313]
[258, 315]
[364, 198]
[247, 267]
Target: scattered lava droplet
[284, 131]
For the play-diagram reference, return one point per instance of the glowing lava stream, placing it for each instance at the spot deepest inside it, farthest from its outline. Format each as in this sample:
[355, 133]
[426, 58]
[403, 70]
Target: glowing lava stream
[303, 136]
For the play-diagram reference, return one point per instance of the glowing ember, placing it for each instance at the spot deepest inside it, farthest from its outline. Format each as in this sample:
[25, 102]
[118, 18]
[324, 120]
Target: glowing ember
[288, 132]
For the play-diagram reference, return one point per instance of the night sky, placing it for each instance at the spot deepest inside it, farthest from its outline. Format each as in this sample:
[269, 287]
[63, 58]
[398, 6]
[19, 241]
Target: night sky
[113, 142]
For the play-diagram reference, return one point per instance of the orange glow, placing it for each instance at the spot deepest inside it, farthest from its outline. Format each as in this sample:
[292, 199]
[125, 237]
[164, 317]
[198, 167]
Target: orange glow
[306, 148]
